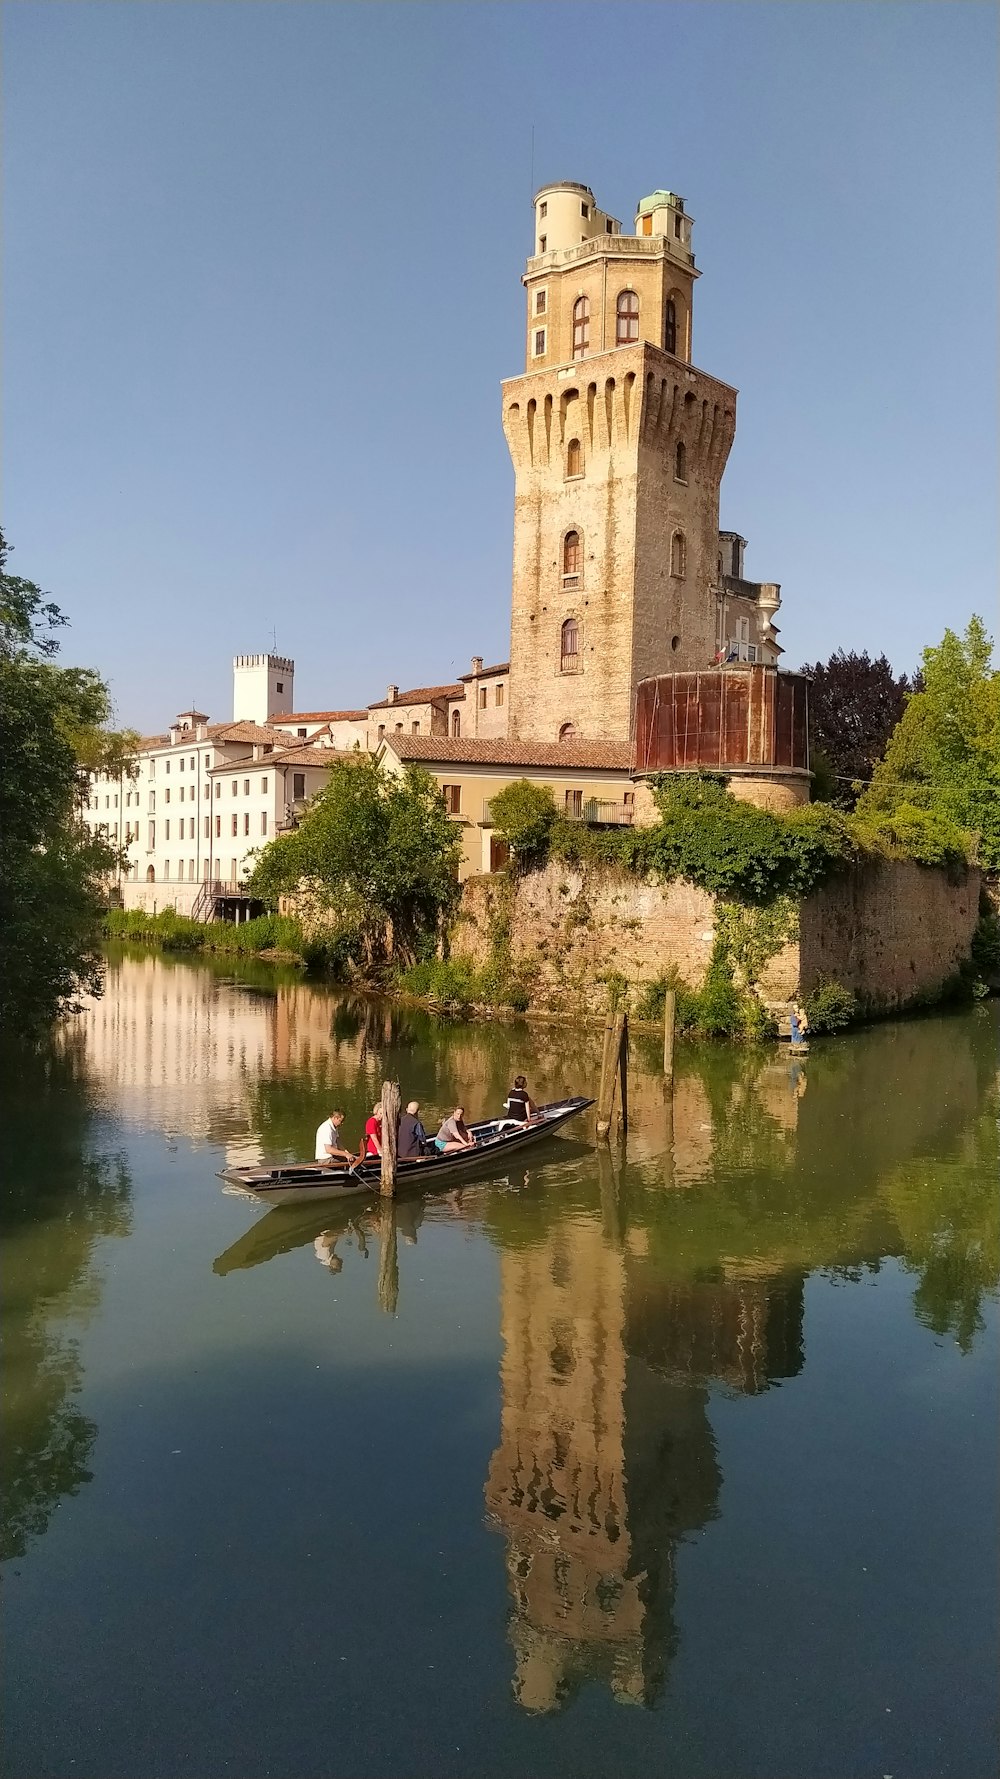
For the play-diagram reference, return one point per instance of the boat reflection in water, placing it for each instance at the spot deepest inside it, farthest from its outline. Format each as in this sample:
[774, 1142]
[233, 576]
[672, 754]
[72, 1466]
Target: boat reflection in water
[606, 1459]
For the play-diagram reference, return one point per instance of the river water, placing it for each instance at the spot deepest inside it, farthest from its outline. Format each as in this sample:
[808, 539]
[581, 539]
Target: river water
[677, 1457]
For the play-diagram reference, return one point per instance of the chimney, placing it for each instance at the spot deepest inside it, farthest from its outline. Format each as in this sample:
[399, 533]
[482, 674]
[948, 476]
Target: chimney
[477, 666]
[392, 693]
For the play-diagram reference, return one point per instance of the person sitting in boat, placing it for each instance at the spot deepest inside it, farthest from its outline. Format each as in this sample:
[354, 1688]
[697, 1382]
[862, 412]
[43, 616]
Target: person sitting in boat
[328, 1144]
[454, 1134]
[412, 1135]
[518, 1105]
[373, 1132]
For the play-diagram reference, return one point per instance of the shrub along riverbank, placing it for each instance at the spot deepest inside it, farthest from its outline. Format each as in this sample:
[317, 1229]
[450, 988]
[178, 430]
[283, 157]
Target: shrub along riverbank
[269, 935]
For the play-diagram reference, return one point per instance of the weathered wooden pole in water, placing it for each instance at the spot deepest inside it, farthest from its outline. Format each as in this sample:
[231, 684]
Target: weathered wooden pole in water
[390, 1129]
[614, 1063]
[669, 1020]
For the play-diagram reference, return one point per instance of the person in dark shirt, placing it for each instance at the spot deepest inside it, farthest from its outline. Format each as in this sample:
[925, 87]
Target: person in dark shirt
[518, 1104]
[412, 1135]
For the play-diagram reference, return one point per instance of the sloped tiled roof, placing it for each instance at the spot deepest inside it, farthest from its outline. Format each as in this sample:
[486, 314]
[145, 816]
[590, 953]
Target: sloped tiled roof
[319, 716]
[419, 695]
[609, 756]
[484, 672]
[243, 731]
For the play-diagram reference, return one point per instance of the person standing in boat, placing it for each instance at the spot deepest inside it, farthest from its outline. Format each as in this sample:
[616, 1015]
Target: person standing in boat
[328, 1145]
[518, 1104]
[373, 1132]
[412, 1135]
[454, 1134]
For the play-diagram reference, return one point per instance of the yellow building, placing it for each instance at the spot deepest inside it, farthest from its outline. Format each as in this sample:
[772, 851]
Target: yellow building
[589, 781]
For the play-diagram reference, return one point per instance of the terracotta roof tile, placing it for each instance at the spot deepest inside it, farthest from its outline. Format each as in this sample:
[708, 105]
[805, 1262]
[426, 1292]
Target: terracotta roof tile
[243, 731]
[419, 695]
[609, 756]
[319, 716]
[484, 672]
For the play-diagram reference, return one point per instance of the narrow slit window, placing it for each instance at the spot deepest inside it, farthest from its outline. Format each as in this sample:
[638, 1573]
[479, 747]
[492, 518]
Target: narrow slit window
[569, 646]
[571, 559]
[680, 463]
[678, 554]
[670, 326]
[581, 327]
[574, 458]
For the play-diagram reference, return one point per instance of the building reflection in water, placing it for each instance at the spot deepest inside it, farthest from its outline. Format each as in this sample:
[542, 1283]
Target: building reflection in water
[606, 1459]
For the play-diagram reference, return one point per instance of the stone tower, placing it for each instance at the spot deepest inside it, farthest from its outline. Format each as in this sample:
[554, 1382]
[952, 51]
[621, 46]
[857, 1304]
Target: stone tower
[263, 687]
[618, 445]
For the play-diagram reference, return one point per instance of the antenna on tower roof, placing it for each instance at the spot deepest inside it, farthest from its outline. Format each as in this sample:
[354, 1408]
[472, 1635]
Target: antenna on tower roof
[274, 643]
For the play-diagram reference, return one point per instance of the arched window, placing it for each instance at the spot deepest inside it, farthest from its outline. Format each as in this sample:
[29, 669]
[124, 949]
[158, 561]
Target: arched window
[678, 554]
[150, 873]
[574, 458]
[456, 724]
[567, 732]
[581, 327]
[670, 326]
[569, 646]
[571, 559]
[680, 463]
[627, 324]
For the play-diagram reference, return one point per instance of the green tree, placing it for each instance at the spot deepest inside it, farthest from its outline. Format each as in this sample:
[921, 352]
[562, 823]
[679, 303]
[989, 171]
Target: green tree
[944, 754]
[53, 730]
[524, 815]
[376, 857]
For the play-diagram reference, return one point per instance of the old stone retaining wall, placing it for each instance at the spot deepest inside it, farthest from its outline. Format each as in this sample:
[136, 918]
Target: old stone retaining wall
[892, 932]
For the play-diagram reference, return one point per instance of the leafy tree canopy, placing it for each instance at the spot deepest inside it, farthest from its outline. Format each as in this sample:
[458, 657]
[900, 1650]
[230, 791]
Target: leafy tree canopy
[854, 705]
[524, 815]
[376, 855]
[944, 755]
[53, 730]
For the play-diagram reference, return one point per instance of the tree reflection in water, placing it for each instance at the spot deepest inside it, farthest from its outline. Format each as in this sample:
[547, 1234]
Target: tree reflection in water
[59, 1197]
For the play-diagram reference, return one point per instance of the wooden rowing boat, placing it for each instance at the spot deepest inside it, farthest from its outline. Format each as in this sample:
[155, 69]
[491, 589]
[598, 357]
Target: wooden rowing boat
[307, 1182]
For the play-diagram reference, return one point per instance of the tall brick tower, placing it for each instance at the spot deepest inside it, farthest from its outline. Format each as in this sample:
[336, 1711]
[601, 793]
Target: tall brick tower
[618, 445]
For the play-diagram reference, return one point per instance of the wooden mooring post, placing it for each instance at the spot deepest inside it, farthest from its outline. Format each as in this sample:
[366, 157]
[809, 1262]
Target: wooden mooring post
[669, 1021]
[390, 1130]
[614, 1073]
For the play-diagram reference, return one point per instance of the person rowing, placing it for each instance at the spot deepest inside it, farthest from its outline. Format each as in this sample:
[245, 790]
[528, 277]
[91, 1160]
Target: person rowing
[454, 1134]
[328, 1145]
[519, 1105]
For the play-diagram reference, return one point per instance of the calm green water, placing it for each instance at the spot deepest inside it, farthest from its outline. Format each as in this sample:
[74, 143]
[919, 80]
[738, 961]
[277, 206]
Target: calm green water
[678, 1458]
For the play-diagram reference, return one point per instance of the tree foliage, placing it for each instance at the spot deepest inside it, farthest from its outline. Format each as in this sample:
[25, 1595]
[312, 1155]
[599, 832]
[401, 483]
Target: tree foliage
[943, 758]
[854, 705]
[524, 815]
[376, 857]
[53, 728]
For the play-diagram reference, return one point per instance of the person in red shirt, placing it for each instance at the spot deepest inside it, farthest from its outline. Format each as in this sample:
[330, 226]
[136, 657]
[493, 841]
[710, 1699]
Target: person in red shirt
[373, 1132]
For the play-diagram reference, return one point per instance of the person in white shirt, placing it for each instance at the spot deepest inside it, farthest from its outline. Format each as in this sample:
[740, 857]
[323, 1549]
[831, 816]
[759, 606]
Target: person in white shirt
[328, 1139]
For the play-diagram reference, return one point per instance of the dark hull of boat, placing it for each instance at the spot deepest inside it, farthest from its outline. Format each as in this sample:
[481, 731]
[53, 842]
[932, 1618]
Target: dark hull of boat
[306, 1182]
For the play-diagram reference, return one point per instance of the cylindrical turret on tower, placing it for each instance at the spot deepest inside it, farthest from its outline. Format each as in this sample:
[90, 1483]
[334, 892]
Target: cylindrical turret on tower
[663, 213]
[566, 215]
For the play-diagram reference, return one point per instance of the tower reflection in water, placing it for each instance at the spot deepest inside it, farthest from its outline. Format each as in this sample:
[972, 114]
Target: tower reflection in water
[606, 1457]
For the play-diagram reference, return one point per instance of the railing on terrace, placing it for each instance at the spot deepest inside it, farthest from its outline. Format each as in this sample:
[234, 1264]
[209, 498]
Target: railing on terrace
[595, 811]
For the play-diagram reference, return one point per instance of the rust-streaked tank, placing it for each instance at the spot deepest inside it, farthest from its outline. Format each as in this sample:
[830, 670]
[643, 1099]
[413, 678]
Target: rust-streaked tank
[737, 717]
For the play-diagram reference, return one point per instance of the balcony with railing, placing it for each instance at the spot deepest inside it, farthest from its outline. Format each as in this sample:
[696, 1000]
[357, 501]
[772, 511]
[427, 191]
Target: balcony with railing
[594, 812]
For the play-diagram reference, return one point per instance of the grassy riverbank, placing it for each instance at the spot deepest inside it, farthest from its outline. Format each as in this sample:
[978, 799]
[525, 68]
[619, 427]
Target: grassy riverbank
[268, 935]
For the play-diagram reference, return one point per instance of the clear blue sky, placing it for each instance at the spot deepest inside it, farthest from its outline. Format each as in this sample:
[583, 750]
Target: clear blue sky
[262, 283]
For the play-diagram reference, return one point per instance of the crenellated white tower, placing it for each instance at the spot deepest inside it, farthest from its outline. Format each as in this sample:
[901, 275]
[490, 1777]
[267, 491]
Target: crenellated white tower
[262, 687]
